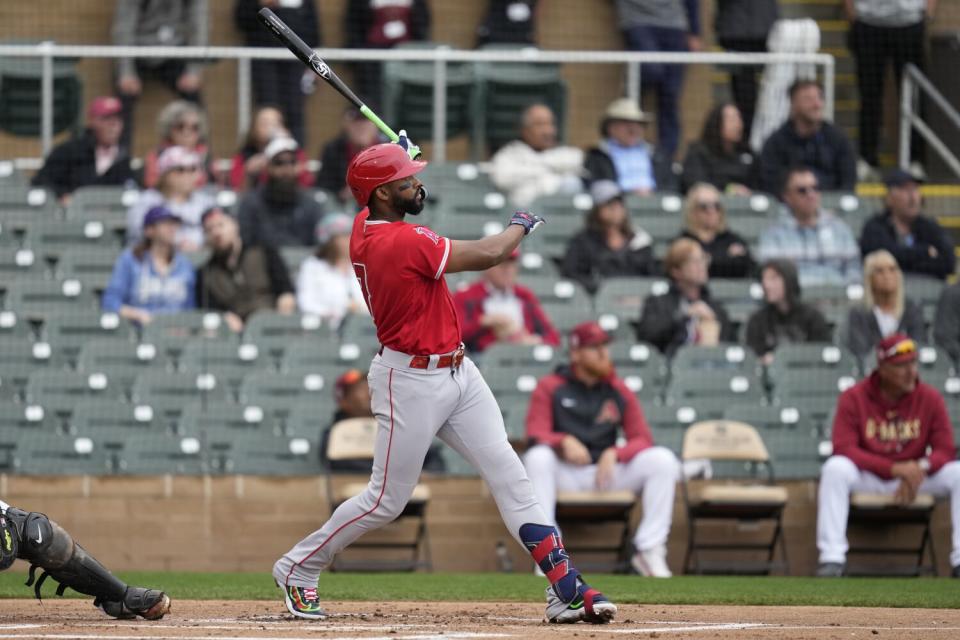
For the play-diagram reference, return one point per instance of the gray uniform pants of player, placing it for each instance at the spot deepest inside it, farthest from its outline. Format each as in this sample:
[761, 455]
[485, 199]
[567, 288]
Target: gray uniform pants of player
[411, 406]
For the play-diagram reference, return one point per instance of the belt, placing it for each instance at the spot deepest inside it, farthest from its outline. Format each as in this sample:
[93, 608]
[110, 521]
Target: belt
[451, 360]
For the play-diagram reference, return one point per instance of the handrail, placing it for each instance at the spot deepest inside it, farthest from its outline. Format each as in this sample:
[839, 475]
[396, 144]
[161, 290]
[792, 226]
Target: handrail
[914, 81]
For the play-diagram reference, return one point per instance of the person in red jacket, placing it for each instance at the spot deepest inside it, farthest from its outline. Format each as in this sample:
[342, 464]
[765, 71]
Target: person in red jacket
[572, 426]
[891, 435]
[497, 309]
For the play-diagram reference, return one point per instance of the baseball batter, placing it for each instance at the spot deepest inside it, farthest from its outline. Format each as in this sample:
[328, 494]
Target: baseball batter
[422, 386]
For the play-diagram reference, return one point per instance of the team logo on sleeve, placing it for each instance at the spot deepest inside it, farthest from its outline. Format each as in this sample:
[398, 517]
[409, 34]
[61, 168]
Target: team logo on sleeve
[428, 233]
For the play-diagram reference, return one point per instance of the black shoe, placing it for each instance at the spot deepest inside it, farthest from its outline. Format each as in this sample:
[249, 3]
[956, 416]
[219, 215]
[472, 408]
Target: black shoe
[956, 571]
[830, 570]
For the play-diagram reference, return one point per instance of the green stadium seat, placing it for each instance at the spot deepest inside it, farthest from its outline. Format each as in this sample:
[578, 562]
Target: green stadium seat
[10, 175]
[12, 325]
[563, 205]
[19, 263]
[293, 257]
[262, 454]
[158, 453]
[691, 359]
[42, 299]
[278, 393]
[272, 331]
[812, 358]
[663, 228]
[225, 418]
[792, 439]
[639, 358]
[21, 205]
[46, 454]
[471, 225]
[121, 360]
[171, 392]
[668, 423]
[551, 239]
[69, 332]
[46, 387]
[20, 100]
[171, 331]
[519, 354]
[654, 204]
[924, 291]
[107, 204]
[521, 379]
[566, 315]
[753, 204]
[116, 422]
[19, 358]
[310, 417]
[301, 355]
[514, 410]
[798, 384]
[688, 386]
[227, 360]
[51, 238]
[18, 418]
[92, 268]
[455, 176]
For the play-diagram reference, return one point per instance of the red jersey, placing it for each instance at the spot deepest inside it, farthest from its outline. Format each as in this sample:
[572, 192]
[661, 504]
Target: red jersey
[400, 268]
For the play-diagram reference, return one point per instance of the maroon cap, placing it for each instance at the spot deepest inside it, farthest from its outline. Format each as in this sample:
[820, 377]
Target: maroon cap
[897, 347]
[104, 106]
[588, 334]
[345, 381]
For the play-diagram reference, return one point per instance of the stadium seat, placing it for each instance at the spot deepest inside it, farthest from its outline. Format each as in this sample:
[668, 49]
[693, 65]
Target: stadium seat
[257, 453]
[278, 393]
[23, 205]
[667, 203]
[55, 454]
[159, 453]
[44, 387]
[688, 387]
[227, 360]
[19, 263]
[641, 366]
[691, 359]
[170, 393]
[792, 439]
[668, 423]
[272, 331]
[515, 379]
[812, 359]
[92, 268]
[620, 300]
[302, 355]
[113, 422]
[217, 419]
[563, 205]
[514, 410]
[67, 333]
[18, 418]
[106, 204]
[12, 325]
[49, 239]
[293, 257]
[310, 417]
[42, 299]
[172, 330]
[796, 385]
[122, 360]
[518, 354]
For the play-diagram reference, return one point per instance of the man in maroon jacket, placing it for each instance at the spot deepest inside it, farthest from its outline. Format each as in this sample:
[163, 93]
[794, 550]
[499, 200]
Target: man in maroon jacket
[572, 426]
[891, 434]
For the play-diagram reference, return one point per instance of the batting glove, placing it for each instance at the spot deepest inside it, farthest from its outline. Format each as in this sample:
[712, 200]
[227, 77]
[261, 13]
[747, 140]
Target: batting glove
[527, 220]
[412, 150]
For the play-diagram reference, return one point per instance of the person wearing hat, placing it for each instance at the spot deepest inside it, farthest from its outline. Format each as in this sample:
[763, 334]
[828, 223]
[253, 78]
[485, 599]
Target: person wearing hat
[280, 212]
[95, 157]
[357, 132]
[721, 156]
[178, 189]
[575, 417]
[918, 242]
[891, 435]
[610, 245]
[152, 277]
[497, 309]
[326, 283]
[623, 153]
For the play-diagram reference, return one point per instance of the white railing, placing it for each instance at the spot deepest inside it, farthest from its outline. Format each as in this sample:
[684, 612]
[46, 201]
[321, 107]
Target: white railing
[633, 61]
[914, 82]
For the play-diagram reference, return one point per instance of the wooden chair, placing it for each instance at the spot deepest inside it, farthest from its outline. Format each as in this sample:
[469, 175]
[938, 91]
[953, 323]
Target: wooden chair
[881, 511]
[591, 508]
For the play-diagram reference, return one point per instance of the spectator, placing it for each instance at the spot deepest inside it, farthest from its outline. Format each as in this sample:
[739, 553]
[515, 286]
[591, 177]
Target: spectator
[158, 23]
[919, 244]
[572, 426]
[240, 278]
[352, 394]
[891, 435]
[152, 276]
[327, 285]
[686, 314]
[283, 82]
[623, 154]
[180, 124]
[946, 322]
[653, 25]
[806, 139]
[356, 134]
[743, 26]
[382, 24]
[721, 156]
[510, 22]
[609, 246]
[95, 157]
[535, 165]
[784, 318]
[248, 168]
[706, 222]
[280, 212]
[497, 309]
[885, 310]
[821, 245]
[177, 190]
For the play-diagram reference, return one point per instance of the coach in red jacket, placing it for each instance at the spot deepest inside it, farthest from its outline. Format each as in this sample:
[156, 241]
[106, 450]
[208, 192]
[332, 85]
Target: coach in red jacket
[892, 435]
[497, 309]
[573, 422]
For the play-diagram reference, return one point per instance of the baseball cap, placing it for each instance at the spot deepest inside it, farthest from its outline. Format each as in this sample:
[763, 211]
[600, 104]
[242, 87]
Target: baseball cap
[588, 334]
[159, 213]
[626, 109]
[279, 145]
[104, 106]
[175, 157]
[900, 177]
[346, 380]
[604, 191]
[897, 347]
[333, 224]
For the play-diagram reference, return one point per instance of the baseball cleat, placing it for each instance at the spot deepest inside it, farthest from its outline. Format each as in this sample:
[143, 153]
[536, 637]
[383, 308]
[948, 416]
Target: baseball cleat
[149, 604]
[589, 606]
[303, 602]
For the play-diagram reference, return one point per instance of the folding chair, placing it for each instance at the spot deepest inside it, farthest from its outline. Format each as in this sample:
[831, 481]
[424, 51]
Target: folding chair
[732, 497]
[880, 514]
[588, 510]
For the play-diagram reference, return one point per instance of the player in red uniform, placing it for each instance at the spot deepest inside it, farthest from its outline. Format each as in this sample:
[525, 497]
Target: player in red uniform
[422, 386]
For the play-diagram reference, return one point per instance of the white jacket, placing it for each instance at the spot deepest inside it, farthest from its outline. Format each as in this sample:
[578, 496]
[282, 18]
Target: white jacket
[324, 290]
[526, 174]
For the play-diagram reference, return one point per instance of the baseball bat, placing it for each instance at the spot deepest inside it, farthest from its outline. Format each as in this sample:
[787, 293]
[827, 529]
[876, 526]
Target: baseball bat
[310, 58]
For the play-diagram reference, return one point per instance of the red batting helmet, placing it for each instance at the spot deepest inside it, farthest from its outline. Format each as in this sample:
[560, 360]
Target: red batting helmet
[377, 165]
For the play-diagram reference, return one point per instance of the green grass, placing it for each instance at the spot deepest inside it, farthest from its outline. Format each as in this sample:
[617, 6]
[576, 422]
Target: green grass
[859, 592]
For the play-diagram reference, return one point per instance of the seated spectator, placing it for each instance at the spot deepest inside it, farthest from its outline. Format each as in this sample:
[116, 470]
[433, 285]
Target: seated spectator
[609, 246]
[706, 222]
[821, 245]
[686, 314]
[240, 278]
[178, 191]
[946, 322]
[807, 139]
[180, 124]
[510, 22]
[885, 310]
[352, 394]
[535, 165]
[326, 284]
[280, 212]
[356, 134]
[94, 157]
[917, 241]
[250, 163]
[573, 424]
[624, 155]
[784, 318]
[497, 309]
[891, 435]
[722, 156]
[152, 276]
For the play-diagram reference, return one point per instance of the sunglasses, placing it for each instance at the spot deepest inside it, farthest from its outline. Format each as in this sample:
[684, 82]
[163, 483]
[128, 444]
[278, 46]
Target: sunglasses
[805, 189]
[283, 162]
[188, 169]
[706, 205]
[185, 126]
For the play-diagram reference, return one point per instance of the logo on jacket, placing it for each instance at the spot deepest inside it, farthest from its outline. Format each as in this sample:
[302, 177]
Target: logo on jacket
[428, 233]
[568, 403]
[609, 412]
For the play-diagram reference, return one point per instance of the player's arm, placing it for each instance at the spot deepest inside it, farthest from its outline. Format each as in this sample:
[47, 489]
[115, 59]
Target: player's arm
[479, 255]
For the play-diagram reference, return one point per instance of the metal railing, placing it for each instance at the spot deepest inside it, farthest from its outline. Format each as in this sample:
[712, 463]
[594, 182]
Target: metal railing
[912, 84]
[441, 56]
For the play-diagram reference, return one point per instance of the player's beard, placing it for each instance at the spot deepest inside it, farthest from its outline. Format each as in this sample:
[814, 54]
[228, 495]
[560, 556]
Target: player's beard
[412, 206]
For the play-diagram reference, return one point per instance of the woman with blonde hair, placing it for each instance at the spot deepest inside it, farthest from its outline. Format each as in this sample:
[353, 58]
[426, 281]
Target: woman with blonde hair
[706, 222]
[885, 310]
[180, 124]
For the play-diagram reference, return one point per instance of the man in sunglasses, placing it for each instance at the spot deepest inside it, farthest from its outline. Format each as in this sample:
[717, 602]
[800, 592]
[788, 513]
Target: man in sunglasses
[891, 435]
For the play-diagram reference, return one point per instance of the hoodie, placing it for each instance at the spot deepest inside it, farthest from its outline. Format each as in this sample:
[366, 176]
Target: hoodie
[768, 327]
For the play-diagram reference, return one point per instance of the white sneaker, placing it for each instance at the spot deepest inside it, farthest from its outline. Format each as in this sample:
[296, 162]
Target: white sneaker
[652, 562]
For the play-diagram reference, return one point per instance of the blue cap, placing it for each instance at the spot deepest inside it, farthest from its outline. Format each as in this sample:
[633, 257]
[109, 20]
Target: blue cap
[900, 177]
[159, 213]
